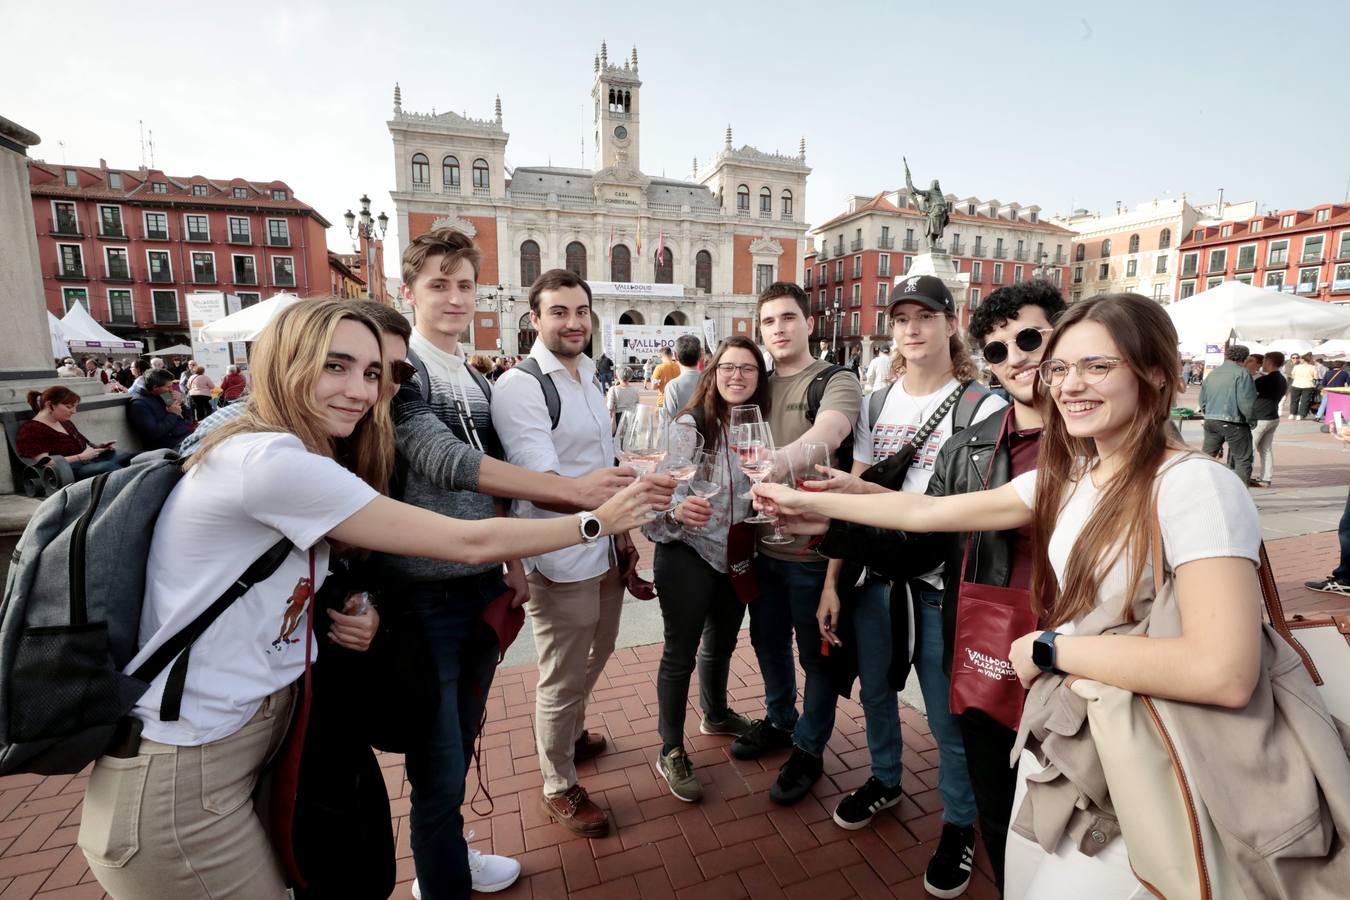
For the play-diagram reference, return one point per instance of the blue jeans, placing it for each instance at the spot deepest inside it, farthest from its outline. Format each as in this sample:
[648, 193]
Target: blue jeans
[958, 797]
[465, 652]
[83, 470]
[880, 701]
[1342, 570]
[789, 594]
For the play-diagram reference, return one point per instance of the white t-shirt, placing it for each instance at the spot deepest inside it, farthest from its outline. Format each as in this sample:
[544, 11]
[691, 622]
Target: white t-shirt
[227, 511]
[1204, 509]
[901, 418]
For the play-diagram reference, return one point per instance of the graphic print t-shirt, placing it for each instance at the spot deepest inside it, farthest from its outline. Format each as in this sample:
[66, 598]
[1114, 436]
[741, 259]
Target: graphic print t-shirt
[901, 418]
[227, 511]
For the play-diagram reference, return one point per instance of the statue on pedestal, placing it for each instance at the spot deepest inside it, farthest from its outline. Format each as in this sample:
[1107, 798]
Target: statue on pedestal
[932, 204]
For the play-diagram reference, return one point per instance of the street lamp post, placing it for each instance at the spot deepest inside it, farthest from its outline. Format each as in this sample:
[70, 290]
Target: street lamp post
[1044, 271]
[497, 295]
[367, 235]
[838, 310]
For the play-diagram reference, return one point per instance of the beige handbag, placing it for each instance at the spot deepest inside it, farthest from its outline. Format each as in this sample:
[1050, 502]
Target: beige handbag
[1173, 847]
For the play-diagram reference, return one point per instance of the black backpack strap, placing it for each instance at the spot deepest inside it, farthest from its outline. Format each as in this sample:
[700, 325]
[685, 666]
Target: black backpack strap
[876, 401]
[423, 375]
[815, 392]
[972, 398]
[481, 380]
[530, 365]
[181, 643]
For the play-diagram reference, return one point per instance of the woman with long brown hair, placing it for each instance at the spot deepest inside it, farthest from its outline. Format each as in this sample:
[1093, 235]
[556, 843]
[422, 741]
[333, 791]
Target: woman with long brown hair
[703, 548]
[170, 813]
[1107, 466]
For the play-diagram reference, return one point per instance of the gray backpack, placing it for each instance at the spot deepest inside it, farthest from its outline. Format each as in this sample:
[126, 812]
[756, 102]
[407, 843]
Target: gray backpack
[71, 614]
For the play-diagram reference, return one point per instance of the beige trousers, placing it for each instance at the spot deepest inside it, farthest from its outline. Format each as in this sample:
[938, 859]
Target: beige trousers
[175, 822]
[575, 625]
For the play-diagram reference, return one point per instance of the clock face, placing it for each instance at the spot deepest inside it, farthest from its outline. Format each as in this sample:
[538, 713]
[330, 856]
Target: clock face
[621, 133]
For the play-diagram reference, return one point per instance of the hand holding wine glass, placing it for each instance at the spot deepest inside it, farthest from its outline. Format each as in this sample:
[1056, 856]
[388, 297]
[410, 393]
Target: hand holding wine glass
[783, 474]
[756, 452]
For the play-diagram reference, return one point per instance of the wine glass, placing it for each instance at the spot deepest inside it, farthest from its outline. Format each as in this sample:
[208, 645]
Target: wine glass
[756, 454]
[812, 454]
[710, 473]
[642, 438]
[782, 474]
[745, 414]
[682, 443]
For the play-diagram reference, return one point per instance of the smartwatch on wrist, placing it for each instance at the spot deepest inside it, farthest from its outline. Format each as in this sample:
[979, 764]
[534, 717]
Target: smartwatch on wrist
[1043, 652]
[590, 527]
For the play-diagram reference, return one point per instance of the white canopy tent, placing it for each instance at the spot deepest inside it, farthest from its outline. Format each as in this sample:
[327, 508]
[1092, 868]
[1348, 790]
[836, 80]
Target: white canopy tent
[83, 335]
[175, 350]
[1337, 349]
[248, 323]
[1238, 310]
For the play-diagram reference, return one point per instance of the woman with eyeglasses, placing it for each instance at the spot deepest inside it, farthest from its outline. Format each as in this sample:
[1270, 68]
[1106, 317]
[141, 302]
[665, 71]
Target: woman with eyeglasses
[703, 549]
[1107, 465]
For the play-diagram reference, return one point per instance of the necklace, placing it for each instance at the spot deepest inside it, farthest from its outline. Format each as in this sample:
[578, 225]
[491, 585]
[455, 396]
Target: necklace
[923, 413]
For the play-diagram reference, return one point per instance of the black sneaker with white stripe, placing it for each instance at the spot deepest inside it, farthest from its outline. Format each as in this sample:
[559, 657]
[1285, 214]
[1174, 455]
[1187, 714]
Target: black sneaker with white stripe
[858, 808]
[1329, 585]
[949, 870]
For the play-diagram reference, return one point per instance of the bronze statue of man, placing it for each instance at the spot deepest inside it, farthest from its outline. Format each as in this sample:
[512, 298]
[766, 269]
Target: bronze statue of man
[933, 205]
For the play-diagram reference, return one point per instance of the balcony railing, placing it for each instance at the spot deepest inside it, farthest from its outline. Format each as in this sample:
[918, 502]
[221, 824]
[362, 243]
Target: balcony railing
[855, 245]
[283, 281]
[743, 211]
[112, 231]
[161, 277]
[958, 248]
[1315, 260]
[453, 189]
[1218, 268]
[909, 244]
[65, 227]
[240, 238]
[200, 237]
[245, 277]
[278, 240]
[421, 187]
[885, 243]
[766, 214]
[978, 250]
[204, 277]
[785, 216]
[1061, 259]
[118, 273]
[65, 271]
[883, 271]
[122, 319]
[1020, 255]
[1245, 266]
[838, 250]
[1277, 262]
[156, 234]
[1000, 253]
[1189, 271]
[482, 191]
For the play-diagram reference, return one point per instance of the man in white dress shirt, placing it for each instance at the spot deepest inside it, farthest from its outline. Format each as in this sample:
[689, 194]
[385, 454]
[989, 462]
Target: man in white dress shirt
[576, 594]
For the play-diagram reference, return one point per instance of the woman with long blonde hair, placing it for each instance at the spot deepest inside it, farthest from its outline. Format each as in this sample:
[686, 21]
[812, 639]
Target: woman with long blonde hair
[1108, 465]
[169, 813]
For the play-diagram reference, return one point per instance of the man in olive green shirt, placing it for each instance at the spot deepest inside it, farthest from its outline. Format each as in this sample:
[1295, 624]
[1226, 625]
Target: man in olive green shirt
[790, 575]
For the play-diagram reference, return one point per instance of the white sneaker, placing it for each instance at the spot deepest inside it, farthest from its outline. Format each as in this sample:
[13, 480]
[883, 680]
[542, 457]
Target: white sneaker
[489, 873]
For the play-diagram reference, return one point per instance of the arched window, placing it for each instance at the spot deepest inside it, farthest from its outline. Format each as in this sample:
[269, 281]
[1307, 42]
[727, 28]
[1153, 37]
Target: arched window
[665, 267]
[1134, 243]
[1165, 239]
[787, 204]
[529, 263]
[1106, 247]
[525, 334]
[765, 202]
[703, 271]
[480, 174]
[450, 172]
[743, 199]
[421, 169]
[576, 259]
[620, 264]
[1079, 252]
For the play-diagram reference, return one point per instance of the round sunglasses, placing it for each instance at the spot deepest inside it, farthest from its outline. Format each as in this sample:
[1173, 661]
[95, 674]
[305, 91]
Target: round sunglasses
[1027, 340]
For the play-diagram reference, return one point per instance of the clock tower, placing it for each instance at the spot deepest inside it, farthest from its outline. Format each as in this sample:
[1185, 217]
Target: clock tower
[616, 111]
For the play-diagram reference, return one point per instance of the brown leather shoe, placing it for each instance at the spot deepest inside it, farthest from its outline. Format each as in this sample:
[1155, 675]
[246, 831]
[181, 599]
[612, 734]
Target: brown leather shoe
[588, 746]
[576, 812]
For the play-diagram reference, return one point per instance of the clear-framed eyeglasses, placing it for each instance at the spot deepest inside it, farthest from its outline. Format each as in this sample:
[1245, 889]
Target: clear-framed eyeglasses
[1091, 369]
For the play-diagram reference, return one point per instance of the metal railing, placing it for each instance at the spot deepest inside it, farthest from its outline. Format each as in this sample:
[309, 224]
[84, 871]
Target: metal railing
[1000, 253]
[855, 245]
[978, 250]
[119, 273]
[1021, 255]
[64, 271]
[154, 234]
[244, 239]
[204, 277]
[958, 248]
[245, 277]
[118, 232]
[838, 250]
[198, 237]
[275, 240]
[65, 227]
[885, 243]
[160, 277]
[909, 244]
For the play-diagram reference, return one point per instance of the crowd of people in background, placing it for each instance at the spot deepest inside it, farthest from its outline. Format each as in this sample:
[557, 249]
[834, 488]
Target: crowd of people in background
[384, 451]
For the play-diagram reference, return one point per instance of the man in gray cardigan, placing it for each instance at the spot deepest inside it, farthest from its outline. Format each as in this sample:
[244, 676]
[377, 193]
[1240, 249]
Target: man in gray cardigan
[446, 446]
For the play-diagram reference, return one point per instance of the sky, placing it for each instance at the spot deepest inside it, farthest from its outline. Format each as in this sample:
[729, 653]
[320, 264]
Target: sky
[1065, 105]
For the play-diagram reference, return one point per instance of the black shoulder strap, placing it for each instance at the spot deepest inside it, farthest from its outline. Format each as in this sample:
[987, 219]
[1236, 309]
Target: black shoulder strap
[972, 398]
[181, 643]
[481, 380]
[423, 375]
[876, 401]
[815, 392]
[551, 399]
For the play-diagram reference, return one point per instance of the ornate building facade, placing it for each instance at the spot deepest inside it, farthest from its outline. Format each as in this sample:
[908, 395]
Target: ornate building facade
[655, 250]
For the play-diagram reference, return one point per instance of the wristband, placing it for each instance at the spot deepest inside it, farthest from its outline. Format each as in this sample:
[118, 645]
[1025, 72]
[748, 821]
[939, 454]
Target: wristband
[672, 519]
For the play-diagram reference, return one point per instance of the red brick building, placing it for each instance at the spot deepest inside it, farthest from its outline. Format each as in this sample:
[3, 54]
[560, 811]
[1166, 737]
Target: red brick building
[343, 280]
[1298, 251]
[864, 250]
[130, 244]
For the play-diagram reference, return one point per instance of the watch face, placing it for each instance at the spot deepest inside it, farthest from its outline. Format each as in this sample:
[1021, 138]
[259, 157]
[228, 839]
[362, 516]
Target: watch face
[620, 132]
[1043, 654]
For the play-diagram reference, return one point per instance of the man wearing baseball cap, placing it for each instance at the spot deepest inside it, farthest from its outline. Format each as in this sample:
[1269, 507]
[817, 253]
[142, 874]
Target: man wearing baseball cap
[934, 372]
